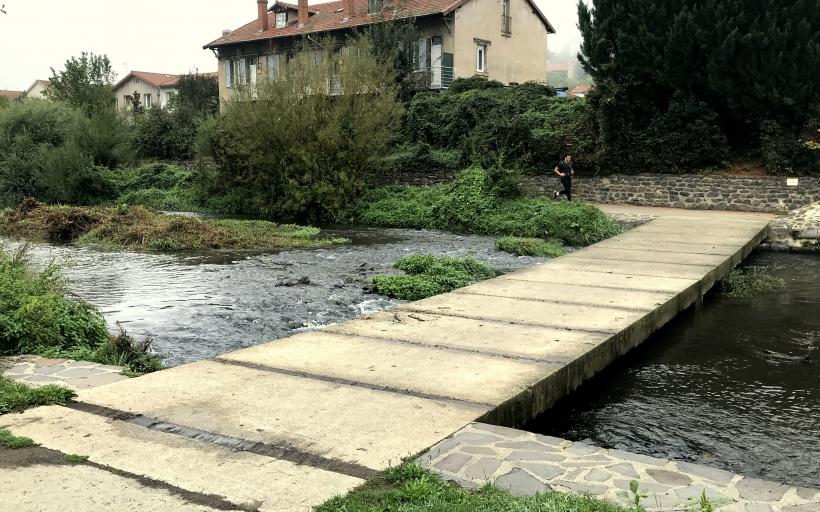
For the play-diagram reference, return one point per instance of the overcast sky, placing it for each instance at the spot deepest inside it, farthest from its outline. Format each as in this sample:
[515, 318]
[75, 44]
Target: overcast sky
[164, 36]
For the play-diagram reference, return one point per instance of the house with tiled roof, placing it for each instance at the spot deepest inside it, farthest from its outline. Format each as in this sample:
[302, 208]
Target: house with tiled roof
[10, 95]
[37, 89]
[504, 40]
[153, 89]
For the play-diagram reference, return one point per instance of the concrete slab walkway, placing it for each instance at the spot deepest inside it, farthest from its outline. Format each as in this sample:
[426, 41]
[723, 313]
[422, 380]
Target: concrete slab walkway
[289, 424]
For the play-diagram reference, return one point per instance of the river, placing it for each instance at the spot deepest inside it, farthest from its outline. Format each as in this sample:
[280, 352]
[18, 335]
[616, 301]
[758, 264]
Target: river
[734, 384]
[199, 305]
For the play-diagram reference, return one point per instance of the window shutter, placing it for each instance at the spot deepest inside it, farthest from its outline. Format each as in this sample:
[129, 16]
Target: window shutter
[228, 77]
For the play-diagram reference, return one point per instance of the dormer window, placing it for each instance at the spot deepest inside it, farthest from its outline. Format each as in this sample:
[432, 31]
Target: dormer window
[374, 6]
[281, 19]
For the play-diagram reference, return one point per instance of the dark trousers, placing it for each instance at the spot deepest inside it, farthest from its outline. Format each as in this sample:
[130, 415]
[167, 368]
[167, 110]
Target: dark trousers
[567, 184]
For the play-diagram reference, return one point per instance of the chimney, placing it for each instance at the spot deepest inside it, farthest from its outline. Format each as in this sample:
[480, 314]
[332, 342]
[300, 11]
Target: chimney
[347, 7]
[262, 8]
[303, 13]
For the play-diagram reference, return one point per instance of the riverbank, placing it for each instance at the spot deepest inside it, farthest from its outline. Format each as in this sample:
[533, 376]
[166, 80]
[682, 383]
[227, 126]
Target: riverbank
[138, 228]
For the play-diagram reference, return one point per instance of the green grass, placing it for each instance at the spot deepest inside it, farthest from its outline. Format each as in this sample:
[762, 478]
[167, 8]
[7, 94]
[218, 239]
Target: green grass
[158, 186]
[13, 442]
[430, 275]
[138, 228]
[749, 282]
[530, 247]
[38, 315]
[471, 204]
[16, 397]
[75, 459]
[410, 488]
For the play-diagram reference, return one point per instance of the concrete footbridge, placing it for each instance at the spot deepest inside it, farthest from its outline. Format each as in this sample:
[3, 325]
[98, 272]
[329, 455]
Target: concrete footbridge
[289, 424]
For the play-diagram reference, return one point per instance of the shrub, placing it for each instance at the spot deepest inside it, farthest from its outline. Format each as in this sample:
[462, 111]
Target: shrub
[39, 316]
[420, 156]
[530, 247]
[48, 152]
[302, 151]
[472, 83]
[470, 204]
[430, 275]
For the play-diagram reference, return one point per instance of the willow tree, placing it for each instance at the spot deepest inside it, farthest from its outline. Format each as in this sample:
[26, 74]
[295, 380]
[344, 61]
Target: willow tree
[681, 81]
[302, 144]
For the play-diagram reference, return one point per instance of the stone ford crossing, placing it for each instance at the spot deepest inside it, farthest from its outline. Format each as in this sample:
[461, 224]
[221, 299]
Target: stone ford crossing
[287, 425]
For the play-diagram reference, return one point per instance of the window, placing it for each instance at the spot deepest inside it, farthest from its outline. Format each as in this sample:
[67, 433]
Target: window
[146, 100]
[374, 6]
[281, 19]
[506, 20]
[274, 64]
[481, 58]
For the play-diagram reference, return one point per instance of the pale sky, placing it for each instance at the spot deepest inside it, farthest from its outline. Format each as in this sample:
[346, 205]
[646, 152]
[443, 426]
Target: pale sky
[164, 36]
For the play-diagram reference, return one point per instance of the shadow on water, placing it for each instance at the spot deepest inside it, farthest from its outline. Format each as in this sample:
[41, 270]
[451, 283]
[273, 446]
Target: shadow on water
[734, 384]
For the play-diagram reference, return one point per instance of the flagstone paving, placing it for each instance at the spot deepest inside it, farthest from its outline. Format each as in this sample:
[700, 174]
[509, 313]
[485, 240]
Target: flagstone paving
[39, 371]
[524, 464]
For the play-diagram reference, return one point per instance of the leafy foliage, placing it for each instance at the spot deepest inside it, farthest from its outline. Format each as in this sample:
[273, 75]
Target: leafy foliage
[530, 247]
[86, 83]
[678, 83]
[298, 150]
[38, 316]
[429, 275]
[471, 204]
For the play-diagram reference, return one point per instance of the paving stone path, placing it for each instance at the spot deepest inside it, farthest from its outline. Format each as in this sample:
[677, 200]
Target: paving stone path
[525, 464]
[39, 371]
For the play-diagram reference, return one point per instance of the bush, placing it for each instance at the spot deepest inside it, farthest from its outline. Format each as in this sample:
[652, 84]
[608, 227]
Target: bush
[422, 157]
[530, 247]
[158, 186]
[48, 151]
[472, 83]
[429, 275]
[38, 316]
[302, 151]
[471, 204]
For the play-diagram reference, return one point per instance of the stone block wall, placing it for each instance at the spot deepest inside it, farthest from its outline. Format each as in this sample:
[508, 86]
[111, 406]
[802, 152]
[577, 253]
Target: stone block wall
[693, 191]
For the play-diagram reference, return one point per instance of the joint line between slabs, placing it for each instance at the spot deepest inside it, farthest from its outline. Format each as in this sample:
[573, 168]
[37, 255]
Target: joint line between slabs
[529, 324]
[443, 347]
[608, 287]
[356, 384]
[612, 272]
[658, 251]
[550, 301]
[598, 258]
[280, 451]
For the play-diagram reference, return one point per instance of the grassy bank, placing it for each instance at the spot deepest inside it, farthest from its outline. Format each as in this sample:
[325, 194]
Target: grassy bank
[530, 247]
[409, 488]
[471, 204]
[136, 227]
[38, 315]
[430, 275]
[159, 186]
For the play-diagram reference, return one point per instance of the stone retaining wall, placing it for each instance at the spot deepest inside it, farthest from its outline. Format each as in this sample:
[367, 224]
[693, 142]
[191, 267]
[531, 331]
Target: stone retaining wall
[705, 192]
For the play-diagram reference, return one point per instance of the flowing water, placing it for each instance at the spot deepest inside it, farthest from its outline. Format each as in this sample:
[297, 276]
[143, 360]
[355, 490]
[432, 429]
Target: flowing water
[202, 304]
[734, 384]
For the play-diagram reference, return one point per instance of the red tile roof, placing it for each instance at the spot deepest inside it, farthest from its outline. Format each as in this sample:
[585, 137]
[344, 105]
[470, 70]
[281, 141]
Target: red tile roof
[12, 95]
[580, 89]
[159, 79]
[329, 16]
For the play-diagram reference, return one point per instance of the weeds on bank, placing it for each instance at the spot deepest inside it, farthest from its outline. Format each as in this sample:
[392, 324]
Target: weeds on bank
[410, 487]
[750, 281]
[75, 459]
[38, 315]
[473, 204]
[16, 397]
[530, 247]
[428, 275]
[136, 227]
[13, 442]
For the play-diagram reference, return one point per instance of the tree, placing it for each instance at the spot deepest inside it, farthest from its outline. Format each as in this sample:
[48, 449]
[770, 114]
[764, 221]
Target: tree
[86, 83]
[136, 104]
[197, 94]
[302, 146]
[395, 43]
[729, 67]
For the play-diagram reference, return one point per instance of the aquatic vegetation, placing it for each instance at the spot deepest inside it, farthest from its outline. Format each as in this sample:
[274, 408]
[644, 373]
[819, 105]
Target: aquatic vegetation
[530, 247]
[428, 275]
[136, 227]
[472, 204]
[750, 281]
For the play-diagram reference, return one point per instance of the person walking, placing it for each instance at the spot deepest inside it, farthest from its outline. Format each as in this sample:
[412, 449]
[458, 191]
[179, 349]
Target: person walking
[566, 172]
